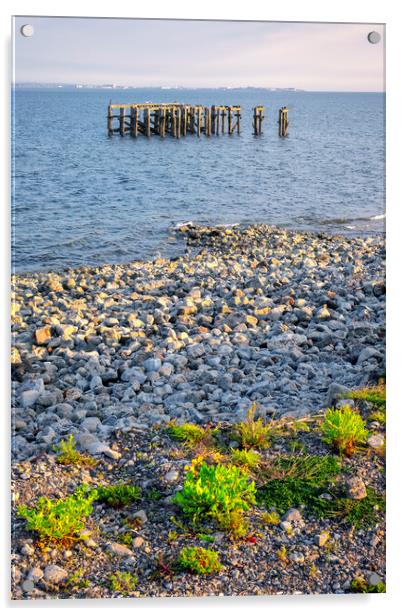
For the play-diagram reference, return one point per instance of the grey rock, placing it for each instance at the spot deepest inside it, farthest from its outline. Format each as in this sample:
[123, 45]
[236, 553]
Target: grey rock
[355, 488]
[35, 574]
[172, 476]
[117, 549]
[374, 579]
[376, 441]
[28, 585]
[292, 515]
[29, 397]
[152, 364]
[55, 574]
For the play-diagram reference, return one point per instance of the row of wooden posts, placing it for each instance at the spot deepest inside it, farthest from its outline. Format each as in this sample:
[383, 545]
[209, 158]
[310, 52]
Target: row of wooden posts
[178, 119]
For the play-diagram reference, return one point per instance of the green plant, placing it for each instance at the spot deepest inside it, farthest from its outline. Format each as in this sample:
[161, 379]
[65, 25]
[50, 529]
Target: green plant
[271, 518]
[378, 416]
[118, 495]
[123, 582]
[282, 554]
[375, 395]
[219, 492]
[76, 580]
[359, 585]
[344, 428]
[126, 538]
[296, 480]
[247, 458]
[188, 433]
[67, 454]
[60, 520]
[199, 560]
[253, 433]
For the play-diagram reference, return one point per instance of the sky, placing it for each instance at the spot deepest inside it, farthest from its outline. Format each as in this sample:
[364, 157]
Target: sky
[144, 53]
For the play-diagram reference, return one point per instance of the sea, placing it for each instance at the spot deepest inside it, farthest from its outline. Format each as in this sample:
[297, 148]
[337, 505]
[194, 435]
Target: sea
[82, 198]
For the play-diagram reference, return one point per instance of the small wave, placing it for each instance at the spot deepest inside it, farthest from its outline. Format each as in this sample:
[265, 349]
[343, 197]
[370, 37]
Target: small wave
[378, 217]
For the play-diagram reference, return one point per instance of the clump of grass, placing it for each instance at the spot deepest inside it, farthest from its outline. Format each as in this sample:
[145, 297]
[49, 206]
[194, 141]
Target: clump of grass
[253, 434]
[118, 495]
[245, 458]
[359, 513]
[188, 433]
[359, 585]
[217, 492]
[295, 480]
[375, 395]
[378, 416]
[282, 554]
[270, 518]
[344, 428]
[123, 582]
[67, 454]
[61, 520]
[199, 560]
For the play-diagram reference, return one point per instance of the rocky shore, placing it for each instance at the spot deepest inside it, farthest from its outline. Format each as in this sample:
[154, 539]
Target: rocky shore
[286, 319]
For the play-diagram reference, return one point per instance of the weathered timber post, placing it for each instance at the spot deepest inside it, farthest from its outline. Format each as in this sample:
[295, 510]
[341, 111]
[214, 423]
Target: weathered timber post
[223, 120]
[178, 125]
[147, 122]
[185, 120]
[283, 122]
[199, 121]
[110, 119]
[192, 120]
[122, 120]
[230, 129]
[213, 119]
[217, 121]
[257, 120]
[207, 121]
[173, 118]
[133, 122]
[162, 121]
[238, 116]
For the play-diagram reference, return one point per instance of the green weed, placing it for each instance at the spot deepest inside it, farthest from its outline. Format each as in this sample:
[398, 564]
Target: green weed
[359, 585]
[189, 434]
[344, 428]
[375, 395]
[253, 434]
[217, 492]
[199, 560]
[246, 458]
[68, 455]
[61, 520]
[118, 495]
[123, 582]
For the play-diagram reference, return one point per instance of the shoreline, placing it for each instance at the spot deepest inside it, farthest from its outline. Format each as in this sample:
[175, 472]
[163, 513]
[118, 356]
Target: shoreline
[175, 233]
[256, 314]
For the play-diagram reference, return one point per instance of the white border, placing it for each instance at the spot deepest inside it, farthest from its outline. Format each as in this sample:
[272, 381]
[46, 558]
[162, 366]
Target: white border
[367, 11]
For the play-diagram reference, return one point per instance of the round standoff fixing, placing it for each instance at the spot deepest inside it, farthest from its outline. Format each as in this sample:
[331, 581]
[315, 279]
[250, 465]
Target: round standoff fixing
[27, 30]
[374, 37]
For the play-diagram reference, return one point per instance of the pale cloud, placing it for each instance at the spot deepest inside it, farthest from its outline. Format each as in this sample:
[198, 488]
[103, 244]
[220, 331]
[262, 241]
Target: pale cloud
[205, 53]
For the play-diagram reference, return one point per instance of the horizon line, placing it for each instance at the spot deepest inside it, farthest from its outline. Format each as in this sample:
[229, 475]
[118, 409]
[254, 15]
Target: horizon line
[181, 87]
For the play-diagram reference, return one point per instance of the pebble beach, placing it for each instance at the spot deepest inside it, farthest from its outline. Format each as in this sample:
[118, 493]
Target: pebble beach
[287, 320]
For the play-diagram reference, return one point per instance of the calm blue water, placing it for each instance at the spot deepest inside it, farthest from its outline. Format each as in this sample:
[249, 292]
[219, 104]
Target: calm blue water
[83, 198]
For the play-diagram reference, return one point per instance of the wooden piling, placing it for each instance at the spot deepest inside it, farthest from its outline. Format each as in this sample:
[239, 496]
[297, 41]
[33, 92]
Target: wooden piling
[178, 124]
[223, 113]
[258, 116]
[110, 119]
[122, 121]
[199, 121]
[133, 122]
[238, 116]
[230, 127]
[283, 122]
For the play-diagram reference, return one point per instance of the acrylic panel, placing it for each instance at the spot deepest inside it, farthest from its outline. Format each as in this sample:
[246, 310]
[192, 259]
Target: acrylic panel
[198, 308]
